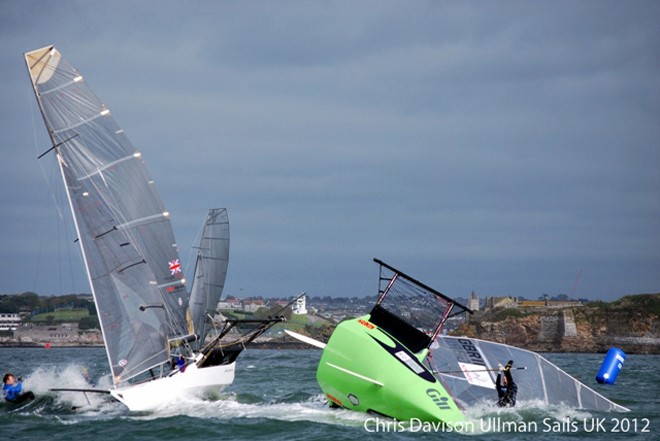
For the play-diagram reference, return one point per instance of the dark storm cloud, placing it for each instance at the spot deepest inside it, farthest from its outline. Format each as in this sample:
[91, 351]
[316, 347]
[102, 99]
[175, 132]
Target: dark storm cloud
[502, 147]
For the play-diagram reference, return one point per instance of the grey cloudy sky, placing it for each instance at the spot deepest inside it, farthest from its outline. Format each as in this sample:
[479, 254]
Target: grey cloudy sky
[502, 147]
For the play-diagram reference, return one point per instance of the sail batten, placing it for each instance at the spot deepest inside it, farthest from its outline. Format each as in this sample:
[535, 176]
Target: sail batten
[170, 284]
[143, 220]
[101, 168]
[114, 204]
[78, 124]
[217, 259]
[61, 86]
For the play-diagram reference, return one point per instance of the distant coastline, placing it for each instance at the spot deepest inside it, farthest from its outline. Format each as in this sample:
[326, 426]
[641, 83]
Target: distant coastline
[630, 323]
[652, 349]
[42, 345]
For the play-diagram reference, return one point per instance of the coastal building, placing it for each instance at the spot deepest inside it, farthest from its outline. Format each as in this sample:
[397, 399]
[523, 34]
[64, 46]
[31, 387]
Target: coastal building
[251, 305]
[501, 302]
[473, 302]
[549, 303]
[300, 307]
[10, 321]
[533, 303]
[59, 334]
[278, 302]
[514, 302]
[232, 303]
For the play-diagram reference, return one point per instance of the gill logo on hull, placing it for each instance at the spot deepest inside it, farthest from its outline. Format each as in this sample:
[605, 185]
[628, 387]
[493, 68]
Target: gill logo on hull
[442, 402]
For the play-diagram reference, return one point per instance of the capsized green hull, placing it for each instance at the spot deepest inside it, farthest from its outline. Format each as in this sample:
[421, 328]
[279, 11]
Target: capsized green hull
[364, 369]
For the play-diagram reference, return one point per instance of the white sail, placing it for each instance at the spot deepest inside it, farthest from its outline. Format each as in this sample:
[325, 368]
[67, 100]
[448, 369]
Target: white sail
[467, 367]
[123, 228]
[210, 271]
[130, 254]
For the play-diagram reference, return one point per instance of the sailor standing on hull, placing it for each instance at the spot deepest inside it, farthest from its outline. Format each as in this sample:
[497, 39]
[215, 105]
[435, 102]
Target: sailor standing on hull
[507, 389]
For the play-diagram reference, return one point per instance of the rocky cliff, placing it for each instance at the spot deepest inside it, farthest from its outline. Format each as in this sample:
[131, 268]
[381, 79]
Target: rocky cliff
[630, 323]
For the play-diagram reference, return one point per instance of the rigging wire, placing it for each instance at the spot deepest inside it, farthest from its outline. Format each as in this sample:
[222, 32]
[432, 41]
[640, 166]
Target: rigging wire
[63, 238]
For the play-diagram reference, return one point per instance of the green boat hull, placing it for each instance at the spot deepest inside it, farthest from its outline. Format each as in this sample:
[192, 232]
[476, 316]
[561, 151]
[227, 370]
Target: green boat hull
[363, 368]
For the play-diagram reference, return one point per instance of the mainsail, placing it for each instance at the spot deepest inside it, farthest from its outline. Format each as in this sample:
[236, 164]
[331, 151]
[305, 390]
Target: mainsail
[210, 271]
[467, 367]
[124, 231]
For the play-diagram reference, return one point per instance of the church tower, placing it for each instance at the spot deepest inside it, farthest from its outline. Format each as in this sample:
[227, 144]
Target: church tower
[473, 302]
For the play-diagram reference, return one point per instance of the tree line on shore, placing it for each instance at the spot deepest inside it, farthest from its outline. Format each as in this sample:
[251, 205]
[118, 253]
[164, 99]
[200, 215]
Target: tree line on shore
[46, 309]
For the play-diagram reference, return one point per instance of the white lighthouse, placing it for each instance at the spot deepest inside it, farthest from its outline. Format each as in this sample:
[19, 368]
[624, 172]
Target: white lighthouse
[300, 306]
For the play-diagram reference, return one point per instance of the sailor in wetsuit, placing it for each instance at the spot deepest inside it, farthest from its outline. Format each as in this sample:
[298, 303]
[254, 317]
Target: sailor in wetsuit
[507, 389]
[13, 390]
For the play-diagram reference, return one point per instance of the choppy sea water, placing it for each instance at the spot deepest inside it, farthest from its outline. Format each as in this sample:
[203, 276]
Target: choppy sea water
[275, 397]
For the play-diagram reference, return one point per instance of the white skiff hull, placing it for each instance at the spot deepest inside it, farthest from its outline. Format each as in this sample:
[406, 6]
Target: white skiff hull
[151, 395]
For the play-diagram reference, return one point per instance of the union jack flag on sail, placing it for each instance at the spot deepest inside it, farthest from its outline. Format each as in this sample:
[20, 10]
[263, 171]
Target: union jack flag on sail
[175, 266]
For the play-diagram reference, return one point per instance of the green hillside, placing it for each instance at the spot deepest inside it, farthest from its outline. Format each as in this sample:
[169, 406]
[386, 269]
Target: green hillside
[60, 316]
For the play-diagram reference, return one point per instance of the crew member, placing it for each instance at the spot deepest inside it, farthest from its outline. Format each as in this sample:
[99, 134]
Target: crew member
[507, 389]
[13, 390]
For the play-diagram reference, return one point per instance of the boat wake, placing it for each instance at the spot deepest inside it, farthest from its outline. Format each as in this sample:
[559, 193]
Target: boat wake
[232, 407]
[71, 375]
[75, 407]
